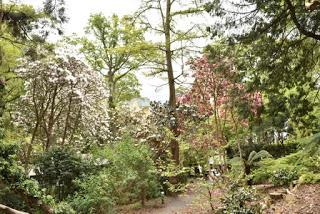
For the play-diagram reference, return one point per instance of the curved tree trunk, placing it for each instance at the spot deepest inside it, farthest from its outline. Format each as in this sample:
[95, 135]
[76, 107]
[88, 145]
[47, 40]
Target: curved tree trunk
[8, 210]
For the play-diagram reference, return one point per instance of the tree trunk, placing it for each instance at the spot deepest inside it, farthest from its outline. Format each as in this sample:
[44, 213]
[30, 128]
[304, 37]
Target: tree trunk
[66, 125]
[51, 122]
[143, 196]
[7, 210]
[111, 85]
[30, 147]
[174, 145]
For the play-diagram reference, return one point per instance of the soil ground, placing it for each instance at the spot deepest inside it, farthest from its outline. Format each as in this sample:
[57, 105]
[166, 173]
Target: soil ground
[304, 199]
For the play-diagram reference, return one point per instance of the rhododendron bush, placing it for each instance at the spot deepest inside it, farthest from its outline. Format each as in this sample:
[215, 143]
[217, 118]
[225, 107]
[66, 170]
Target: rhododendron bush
[219, 93]
[64, 103]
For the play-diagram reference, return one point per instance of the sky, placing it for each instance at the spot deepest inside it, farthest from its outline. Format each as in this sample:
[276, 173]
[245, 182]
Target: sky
[78, 12]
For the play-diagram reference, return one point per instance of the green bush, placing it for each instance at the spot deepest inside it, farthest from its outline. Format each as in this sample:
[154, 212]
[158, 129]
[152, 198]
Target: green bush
[96, 195]
[276, 150]
[129, 176]
[16, 188]
[309, 178]
[284, 177]
[134, 171]
[260, 176]
[236, 165]
[64, 208]
[57, 169]
[304, 161]
[11, 199]
[240, 200]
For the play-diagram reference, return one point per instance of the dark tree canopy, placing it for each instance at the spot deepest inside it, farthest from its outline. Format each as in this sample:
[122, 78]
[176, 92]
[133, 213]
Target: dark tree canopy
[276, 44]
[248, 19]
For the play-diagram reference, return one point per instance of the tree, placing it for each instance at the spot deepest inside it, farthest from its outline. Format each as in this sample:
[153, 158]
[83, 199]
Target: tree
[128, 88]
[21, 29]
[174, 44]
[21, 20]
[262, 17]
[219, 93]
[17, 25]
[117, 50]
[277, 48]
[64, 103]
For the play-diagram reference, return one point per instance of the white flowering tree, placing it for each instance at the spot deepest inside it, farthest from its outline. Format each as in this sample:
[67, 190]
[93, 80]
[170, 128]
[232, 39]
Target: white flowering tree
[65, 103]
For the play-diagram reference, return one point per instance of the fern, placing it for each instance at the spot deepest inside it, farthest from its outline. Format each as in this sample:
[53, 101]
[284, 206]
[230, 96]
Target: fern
[256, 156]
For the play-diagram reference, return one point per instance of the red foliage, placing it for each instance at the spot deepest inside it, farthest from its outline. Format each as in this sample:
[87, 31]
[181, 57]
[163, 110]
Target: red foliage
[216, 87]
[219, 92]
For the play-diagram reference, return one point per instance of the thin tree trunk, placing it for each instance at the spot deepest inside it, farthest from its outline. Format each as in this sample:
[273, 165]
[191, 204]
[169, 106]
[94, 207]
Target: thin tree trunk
[29, 148]
[51, 120]
[143, 196]
[174, 145]
[76, 125]
[66, 122]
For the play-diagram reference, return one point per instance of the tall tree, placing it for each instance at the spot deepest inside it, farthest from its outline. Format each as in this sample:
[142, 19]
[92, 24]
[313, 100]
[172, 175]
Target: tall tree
[22, 28]
[219, 93]
[117, 50]
[278, 48]
[17, 23]
[62, 96]
[174, 43]
[278, 18]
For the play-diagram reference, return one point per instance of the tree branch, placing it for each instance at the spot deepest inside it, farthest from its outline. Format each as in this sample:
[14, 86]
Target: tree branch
[301, 29]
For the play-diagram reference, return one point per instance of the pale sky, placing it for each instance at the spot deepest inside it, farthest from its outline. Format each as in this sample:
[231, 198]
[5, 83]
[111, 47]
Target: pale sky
[79, 11]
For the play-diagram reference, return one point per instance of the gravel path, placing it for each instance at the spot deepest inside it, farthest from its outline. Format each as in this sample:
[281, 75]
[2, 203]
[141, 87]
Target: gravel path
[194, 201]
[177, 204]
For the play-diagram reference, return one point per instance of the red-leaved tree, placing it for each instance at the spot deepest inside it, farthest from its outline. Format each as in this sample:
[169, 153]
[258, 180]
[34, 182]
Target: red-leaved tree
[219, 93]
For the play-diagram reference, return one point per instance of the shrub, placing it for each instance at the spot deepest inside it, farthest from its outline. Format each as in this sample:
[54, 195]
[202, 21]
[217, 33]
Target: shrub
[129, 176]
[260, 176]
[284, 177]
[276, 150]
[241, 200]
[309, 177]
[11, 199]
[95, 195]
[304, 161]
[57, 169]
[133, 171]
[63, 208]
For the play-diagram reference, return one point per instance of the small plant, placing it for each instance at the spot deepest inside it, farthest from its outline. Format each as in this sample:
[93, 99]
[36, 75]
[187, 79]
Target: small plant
[254, 158]
[240, 200]
[284, 177]
[64, 207]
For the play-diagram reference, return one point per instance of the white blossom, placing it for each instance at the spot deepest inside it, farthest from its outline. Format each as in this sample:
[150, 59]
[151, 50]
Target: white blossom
[63, 88]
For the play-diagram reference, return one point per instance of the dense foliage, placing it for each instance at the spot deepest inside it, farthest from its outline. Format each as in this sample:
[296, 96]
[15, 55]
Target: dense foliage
[77, 137]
